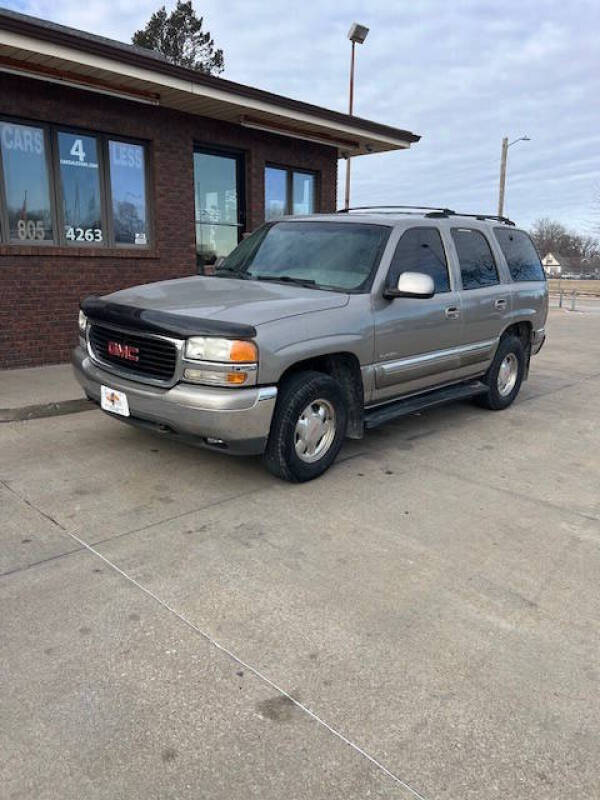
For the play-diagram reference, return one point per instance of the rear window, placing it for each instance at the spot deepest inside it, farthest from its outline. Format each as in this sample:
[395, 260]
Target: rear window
[521, 256]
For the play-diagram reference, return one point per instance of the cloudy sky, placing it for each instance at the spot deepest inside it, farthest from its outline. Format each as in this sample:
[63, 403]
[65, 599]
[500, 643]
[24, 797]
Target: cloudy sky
[462, 74]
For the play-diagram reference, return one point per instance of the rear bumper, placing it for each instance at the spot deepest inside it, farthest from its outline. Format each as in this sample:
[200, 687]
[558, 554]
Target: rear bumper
[537, 340]
[239, 418]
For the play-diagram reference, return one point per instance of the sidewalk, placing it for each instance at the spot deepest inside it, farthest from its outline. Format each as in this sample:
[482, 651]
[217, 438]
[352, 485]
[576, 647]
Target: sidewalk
[40, 392]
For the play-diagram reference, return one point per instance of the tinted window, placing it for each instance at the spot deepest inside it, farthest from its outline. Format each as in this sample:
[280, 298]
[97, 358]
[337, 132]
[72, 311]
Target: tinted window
[128, 192]
[477, 265]
[275, 193]
[421, 250]
[80, 183]
[520, 254]
[26, 183]
[330, 254]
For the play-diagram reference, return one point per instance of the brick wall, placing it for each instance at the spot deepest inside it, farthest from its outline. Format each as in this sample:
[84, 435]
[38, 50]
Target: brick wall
[40, 287]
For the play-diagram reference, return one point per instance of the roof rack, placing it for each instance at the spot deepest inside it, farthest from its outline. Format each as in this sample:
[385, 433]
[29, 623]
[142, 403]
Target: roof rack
[430, 211]
[391, 209]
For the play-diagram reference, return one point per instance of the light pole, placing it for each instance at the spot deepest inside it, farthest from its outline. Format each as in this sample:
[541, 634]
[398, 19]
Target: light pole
[357, 35]
[503, 157]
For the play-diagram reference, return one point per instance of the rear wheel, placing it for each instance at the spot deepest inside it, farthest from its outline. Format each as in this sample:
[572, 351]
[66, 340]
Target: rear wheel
[505, 376]
[308, 428]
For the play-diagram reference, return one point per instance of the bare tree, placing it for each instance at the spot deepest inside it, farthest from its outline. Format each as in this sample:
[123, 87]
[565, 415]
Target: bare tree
[553, 237]
[179, 37]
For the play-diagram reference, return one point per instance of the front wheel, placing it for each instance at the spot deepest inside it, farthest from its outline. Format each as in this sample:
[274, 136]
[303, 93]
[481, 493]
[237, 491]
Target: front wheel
[505, 375]
[308, 428]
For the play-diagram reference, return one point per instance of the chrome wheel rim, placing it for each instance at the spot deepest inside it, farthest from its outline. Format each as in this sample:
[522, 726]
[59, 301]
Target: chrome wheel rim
[315, 431]
[507, 374]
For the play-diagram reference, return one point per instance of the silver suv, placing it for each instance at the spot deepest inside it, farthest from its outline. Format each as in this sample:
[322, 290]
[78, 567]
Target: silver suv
[317, 328]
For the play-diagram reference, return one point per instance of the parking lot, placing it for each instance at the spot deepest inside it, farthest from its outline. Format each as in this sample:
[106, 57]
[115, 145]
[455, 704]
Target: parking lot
[423, 621]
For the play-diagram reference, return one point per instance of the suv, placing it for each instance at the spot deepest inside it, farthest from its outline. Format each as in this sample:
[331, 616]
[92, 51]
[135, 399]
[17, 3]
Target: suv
[317, 328]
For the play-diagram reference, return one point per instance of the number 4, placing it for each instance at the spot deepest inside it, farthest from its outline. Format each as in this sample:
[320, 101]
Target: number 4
[77, 149]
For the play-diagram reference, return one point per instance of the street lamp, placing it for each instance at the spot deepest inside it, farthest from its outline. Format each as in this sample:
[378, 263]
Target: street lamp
[505, 146]
[357, 35]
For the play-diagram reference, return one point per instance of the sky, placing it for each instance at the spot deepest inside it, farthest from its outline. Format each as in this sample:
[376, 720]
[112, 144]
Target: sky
[462, 74]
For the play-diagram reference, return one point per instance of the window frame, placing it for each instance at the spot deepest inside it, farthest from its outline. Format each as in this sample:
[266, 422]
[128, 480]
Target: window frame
[490, 248]
[435, 228]
[240, 184]
[51, 131]
[289, 188]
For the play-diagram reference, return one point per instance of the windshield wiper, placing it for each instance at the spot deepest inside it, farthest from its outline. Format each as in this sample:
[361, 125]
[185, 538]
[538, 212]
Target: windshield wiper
[233, 272]
[285, 279]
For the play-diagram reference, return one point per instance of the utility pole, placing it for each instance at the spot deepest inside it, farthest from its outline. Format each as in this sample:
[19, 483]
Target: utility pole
[502, 176]
[350, 110]
[357, 35]
[503, 158]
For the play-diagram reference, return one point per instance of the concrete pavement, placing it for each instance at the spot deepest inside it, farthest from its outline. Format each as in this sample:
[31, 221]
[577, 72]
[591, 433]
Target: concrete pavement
[431, 605]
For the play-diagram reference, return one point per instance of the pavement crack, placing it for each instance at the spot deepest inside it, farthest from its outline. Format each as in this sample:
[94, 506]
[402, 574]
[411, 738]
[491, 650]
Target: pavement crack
[31, 505]
[254, 670]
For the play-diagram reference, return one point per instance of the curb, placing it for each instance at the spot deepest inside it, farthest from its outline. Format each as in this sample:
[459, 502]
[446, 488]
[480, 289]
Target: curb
[46, 410]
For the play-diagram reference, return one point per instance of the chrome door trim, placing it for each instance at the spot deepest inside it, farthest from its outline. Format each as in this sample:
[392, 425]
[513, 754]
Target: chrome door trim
[413, 361]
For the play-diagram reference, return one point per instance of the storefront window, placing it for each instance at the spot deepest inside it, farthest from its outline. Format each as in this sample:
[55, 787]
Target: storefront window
[216, 182]
[288, 192]
[84, 170]
[26, 183]
[276, 181]
[304, 193]
[128, 192]
[80, 188]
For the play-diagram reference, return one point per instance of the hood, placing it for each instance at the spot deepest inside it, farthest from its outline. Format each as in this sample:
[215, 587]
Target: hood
[228, 299]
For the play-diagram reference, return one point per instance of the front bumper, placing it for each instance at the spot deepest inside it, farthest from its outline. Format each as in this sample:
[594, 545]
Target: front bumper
[238, 419]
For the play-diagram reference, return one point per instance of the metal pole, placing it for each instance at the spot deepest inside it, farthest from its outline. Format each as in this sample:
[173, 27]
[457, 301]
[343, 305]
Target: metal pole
[502, 176]
[350, 110]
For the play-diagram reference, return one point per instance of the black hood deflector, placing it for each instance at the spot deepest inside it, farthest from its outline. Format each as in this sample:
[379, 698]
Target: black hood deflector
[147, 319]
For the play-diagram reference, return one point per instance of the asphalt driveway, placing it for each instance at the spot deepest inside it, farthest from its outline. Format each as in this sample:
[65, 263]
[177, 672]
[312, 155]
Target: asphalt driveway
[423, 621]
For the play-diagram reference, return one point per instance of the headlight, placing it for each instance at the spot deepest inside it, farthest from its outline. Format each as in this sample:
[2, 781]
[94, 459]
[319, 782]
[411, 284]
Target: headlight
[82, 322]
[210, 348]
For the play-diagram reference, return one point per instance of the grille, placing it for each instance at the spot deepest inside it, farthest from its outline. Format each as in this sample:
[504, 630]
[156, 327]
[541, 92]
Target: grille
[157, 358]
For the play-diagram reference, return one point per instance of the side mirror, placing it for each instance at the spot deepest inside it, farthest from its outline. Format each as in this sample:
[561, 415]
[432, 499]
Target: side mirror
[412, 284]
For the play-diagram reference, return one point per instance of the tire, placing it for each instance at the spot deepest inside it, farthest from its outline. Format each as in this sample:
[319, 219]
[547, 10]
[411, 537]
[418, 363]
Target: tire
[505, 375]
[310, 405]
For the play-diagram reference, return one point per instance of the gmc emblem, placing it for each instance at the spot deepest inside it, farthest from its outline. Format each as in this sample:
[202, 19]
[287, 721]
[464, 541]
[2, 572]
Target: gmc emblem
[126, 351]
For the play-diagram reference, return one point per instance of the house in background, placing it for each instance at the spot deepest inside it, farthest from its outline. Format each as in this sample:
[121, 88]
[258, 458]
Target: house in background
[552, 266]
[118, 168]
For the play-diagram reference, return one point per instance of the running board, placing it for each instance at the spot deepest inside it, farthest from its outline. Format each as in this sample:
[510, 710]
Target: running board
[399, 408]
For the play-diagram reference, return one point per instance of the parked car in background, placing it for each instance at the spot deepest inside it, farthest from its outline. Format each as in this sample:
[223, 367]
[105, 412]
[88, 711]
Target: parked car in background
[318, 328]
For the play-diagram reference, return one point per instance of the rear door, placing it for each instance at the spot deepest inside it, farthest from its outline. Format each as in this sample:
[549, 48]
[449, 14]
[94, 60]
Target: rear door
[486, 297]
[415, 338]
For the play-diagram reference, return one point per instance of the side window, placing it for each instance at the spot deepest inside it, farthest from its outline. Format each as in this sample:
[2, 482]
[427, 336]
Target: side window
[421, 250]
[477, 265]
[521, 256]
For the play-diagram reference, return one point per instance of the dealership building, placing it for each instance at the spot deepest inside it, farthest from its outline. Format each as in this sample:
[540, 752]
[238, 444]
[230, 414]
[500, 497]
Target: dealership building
[118, 168]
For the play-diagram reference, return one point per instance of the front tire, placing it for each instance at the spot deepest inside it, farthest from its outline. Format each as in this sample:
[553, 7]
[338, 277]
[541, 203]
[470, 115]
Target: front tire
[505, 375]
[308, 427]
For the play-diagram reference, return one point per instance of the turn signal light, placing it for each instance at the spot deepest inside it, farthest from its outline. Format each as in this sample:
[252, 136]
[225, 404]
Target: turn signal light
[243, 351]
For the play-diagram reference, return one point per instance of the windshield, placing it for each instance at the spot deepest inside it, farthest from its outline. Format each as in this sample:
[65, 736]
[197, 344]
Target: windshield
[324, 255]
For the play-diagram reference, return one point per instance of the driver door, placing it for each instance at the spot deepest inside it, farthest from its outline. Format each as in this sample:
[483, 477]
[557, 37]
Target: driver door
[416, 339]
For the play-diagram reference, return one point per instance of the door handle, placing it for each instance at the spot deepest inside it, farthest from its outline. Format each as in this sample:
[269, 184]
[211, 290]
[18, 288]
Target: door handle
[500, 303]
[452, 312]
